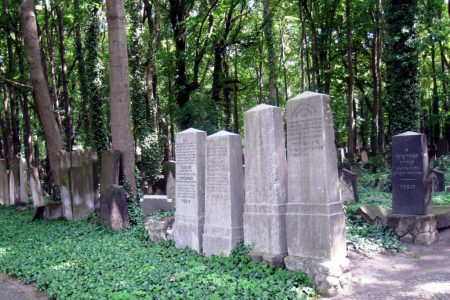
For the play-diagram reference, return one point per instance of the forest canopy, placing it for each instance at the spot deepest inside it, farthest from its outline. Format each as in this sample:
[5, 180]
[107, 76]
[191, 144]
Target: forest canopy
[71, 70]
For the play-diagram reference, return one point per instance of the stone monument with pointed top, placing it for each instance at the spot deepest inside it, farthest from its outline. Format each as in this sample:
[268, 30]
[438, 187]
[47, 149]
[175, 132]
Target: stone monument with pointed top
[190, 189]
[315, 220]
[224, 193]
[265, 184]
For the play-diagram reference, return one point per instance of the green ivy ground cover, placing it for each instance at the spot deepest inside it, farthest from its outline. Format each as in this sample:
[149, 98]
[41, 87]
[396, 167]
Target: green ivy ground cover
[82, 260]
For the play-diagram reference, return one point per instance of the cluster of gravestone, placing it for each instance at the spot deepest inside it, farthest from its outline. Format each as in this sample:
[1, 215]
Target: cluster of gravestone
[285, 203]
[86, 190]
[14, 182]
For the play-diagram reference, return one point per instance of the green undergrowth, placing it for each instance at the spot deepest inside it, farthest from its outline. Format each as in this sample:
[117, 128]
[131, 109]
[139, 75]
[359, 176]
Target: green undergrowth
[82, 260]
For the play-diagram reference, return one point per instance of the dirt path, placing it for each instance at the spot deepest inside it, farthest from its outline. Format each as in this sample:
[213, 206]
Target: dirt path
[419, 273]
[11, 289]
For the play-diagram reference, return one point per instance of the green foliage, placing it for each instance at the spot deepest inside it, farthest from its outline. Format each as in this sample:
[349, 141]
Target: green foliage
[151, 156]
[162, 214]
[366, 238]
[80, 260]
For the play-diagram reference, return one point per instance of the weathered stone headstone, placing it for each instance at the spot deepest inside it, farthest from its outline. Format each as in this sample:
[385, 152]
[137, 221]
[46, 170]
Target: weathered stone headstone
[265, 184]
[374, 214]
[23, 174]
[441, 148]
[90, 179]
[224, 193]
[78, 186]
[437, 180]
[65, 183]
[153, 203]
[50, 211]
[410, 181]
[315, 220]
[349, 191]
[168, 169]
[190, 189]
[364, 156]
[113, 208]
[4, 183]
[15, 181]
[36, 189]
[110, 168]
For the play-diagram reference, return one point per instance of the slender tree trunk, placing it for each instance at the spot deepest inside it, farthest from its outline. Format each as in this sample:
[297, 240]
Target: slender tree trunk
[235, 99]
[65, 93]
[51, 57]
[375, 140]
[315, 47]
[119, 93]
[435, 103]
[303, 45]
[351, 84]
[283, 65]
[40, 85]
[271, 60]
[82, 73]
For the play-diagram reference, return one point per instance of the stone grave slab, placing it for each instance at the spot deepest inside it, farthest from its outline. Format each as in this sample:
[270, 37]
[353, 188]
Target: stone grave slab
[113, 208]
[224, 193]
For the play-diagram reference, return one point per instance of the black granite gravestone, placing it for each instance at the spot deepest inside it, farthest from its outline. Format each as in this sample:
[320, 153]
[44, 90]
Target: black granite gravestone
[410, 181]
[437, 181]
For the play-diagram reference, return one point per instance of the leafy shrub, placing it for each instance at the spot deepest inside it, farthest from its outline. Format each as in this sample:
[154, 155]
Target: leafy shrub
[151, 156]
[80, 260]
[161, 214]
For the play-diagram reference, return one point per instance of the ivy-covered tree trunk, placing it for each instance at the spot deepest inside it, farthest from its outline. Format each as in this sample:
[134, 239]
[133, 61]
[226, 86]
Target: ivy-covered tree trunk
[351, 84]
[97, 138]
[271, 59]
[119, 90]
[401, 66]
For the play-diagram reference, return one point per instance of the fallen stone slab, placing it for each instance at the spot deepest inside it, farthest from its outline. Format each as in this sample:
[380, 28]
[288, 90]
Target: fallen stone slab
[50, 211]
[443, 216]
[374, 214]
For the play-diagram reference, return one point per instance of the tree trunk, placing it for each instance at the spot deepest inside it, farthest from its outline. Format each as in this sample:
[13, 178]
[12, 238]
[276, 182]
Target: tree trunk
[235, 98]
[119, 93]
[271, 59]
[351, 84]
[436, 130]
[375, 140]
[65, 93]
[40, 85]
[86, 124]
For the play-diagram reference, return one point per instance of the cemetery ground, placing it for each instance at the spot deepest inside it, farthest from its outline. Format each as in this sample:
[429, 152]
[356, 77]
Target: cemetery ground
[82, 260]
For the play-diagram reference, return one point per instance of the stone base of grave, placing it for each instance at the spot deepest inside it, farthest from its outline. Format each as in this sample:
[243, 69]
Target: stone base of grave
[188, 233]
[219, 240]
[330, 277]
[159, 229]
[419, 230]
[273, 260]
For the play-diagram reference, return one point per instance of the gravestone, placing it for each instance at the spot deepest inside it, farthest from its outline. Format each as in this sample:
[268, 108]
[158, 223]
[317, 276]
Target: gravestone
[90, 179]
[153, 203]
[315, 219]
[78, 180]
[410, 181]
[364, 156]
[442, 148]
[35, 188]
[15, 180]
[348, 191]
[168, 169]
[224, 193]
[190, 189]
[110, 165]
[64, 180]
[113, 208]
[437, 181]
[4, 183]
[23, 175]
[265, 184]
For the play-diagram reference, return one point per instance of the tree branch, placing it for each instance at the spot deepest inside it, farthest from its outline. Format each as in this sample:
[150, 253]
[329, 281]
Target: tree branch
[15, 83]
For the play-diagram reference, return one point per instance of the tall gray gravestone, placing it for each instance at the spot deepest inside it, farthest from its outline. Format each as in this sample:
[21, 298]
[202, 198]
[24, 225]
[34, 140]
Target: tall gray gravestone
[90, 180]
[224, 193]
[315, 220]
[410, 176]
[64, 181]
[110, 166]
[4, 183]
[190, 189]
[14, 176]
[169, 172]
[23, 174]
[265, 184]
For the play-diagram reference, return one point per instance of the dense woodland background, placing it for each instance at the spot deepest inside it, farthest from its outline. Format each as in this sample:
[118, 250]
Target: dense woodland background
[386, 65]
